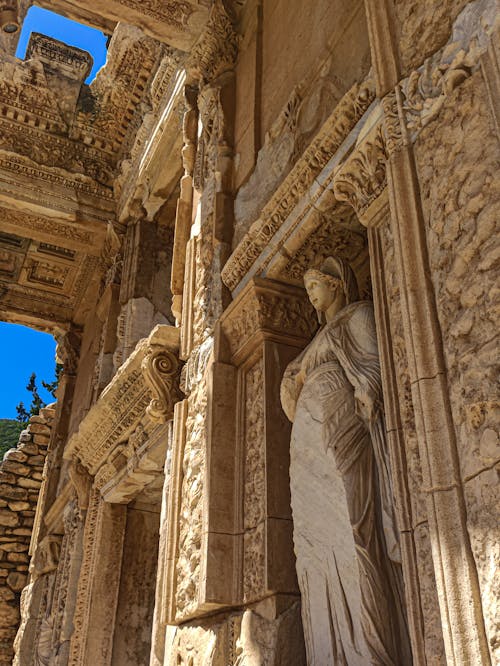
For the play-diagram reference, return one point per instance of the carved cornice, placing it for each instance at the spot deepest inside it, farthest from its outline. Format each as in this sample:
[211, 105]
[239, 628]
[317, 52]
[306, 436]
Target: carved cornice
[216, 50]
[146, 385]
[347, 113]
[362, 178]
[269, 309]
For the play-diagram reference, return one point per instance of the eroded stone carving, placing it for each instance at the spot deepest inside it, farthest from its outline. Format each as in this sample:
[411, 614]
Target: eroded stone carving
[161, 370]
[339, 463]
[362, 179]
[335, 129]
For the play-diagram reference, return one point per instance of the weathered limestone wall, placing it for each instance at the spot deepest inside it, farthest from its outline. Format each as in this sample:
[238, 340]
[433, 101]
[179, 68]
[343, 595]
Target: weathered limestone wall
[331, 33]
[423, 28]
[20, 481]
[285, 94]
[458, 162]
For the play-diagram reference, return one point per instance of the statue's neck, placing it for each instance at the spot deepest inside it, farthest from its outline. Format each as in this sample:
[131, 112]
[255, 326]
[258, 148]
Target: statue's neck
[337, 305]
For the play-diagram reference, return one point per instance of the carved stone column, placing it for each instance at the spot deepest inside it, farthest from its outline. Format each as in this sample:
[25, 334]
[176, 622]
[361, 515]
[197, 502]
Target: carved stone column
[97, 594]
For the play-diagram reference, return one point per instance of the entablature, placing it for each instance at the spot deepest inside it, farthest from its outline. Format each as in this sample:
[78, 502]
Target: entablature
[118, 441]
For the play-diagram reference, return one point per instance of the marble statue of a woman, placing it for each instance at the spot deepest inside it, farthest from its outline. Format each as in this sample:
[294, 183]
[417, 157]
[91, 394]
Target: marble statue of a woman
[344, 532]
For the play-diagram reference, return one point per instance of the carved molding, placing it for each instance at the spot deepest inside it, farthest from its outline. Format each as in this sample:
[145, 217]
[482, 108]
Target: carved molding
[267, 308]
[148, 379]
[216, 50]
[334, 131]
[362, 178]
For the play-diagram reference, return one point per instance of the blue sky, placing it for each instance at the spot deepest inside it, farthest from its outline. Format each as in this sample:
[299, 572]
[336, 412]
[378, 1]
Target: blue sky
[70, 32]
[23, 350]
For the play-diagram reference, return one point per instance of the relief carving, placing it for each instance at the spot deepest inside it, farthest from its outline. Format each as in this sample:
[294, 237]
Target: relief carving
[176, 13]
[335, 129]
[216, 50]
[339, 463]
[254, 491]
[425, 90]
[46, 557]
[362, 178]
[161, 371]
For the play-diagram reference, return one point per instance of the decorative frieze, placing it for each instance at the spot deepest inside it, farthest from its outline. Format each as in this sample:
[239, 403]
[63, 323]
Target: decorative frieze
[362, 178]
[322, 148]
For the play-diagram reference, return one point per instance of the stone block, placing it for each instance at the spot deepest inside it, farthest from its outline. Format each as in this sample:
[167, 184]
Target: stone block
[29, 483]
[38, 419]
[8, 518]
[19, 506]
[14, 547]
[30, 448]
[9, 615]
[16, 455]
[36, 461]
[9, 492]
[15, 467]
[18, 557]
[22, 531]
[42, 440]
[39, 429]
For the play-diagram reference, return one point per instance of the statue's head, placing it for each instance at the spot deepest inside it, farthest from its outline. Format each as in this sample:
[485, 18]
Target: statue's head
[333, 281]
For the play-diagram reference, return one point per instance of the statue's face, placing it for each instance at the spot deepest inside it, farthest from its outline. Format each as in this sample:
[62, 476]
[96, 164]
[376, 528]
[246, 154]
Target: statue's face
[321, 294]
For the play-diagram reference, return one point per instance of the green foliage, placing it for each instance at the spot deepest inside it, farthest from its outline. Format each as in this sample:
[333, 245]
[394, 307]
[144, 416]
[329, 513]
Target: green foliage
[9, 434]
[51, 387]
[37, 402]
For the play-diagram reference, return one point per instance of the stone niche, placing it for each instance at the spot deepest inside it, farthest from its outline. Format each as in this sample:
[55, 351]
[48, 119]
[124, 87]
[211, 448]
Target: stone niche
[246, 540]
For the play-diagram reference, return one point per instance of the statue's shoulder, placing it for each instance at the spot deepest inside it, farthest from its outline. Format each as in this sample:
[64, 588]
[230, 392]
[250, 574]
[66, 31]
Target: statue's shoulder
[361, 323]
[358, 312]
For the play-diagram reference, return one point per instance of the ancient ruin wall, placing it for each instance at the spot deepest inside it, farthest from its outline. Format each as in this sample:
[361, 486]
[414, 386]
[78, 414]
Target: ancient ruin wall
[423, 28]
[20, 481]
[457, 158]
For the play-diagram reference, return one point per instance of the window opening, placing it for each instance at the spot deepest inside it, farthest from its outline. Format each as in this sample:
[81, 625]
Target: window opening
[70, 32]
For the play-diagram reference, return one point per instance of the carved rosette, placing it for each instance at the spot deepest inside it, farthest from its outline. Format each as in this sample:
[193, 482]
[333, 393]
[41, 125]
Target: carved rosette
[161, 371]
